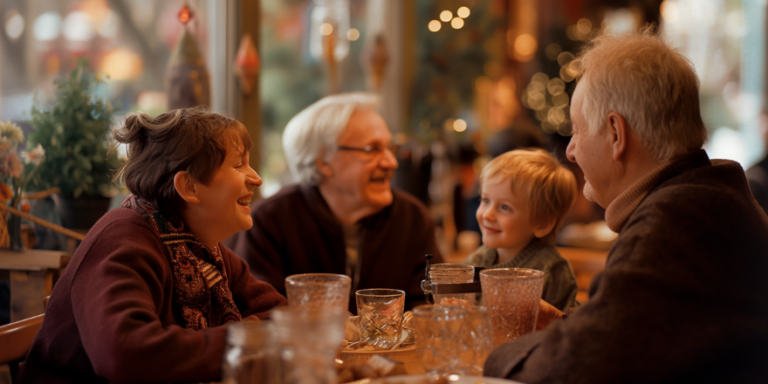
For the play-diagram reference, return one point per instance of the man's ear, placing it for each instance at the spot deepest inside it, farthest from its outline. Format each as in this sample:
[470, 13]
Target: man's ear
[323, 167]
[543, 228]
[619, 130]
[186, 187]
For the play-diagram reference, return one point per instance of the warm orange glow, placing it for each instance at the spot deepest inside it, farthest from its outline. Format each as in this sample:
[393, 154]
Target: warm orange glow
[434, 25]
[483, 84]
[525, 47]
[122, 64]
[97, 10]
[326, 29]
[185, 14]
[459, 125]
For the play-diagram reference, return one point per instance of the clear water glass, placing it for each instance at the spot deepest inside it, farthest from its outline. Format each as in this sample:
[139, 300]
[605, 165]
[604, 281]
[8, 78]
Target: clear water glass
[380, 316]
[252, 354]
[440, 338]
[318, 290]
[452, 273]
[512, 297]
[478, 340]
[309, 340]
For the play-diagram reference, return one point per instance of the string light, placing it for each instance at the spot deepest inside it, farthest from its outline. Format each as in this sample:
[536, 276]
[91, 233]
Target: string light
[326, 29]
[459, 125]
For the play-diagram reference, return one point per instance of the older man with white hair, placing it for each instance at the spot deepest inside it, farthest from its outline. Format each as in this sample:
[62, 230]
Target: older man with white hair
[683, 294]
[343, 217]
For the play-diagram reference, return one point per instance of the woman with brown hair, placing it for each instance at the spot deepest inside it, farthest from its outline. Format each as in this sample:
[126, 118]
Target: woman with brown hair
[147, 294]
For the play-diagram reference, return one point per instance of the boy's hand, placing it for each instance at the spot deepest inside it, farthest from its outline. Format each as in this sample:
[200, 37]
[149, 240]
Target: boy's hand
[547, 313]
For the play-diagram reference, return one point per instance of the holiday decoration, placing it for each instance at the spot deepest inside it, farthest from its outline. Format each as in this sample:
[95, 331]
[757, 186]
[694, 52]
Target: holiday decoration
[188, 83]
[247, 64]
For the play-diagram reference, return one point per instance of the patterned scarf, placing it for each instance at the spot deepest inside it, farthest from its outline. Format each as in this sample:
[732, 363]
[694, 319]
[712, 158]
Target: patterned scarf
[201, 295]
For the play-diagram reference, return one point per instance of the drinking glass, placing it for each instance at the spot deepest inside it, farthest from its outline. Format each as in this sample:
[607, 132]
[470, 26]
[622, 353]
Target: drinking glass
[478, 340]
[252, 354]
[318, 290]
[309, 340]
[451, 273]
[512, 296]
[380, 313]
[440, 338]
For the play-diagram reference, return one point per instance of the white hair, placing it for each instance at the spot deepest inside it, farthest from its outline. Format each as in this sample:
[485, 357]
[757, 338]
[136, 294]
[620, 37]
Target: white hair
[651, 85]
[314, 131]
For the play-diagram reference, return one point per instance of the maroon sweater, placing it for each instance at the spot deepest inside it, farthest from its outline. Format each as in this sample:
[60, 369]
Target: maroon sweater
[295, 232]
[111, 319]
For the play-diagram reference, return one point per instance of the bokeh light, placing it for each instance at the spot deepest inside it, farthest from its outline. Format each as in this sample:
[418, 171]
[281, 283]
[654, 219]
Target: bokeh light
[463, 12]
[78, 27]
[457, 23]
[483, 84]
[353, 34]
[459, 125]
[14, 24]
[525, 47]
[434, 25]
[583, 27]
[326, 29]
[122, 64]
[670, 11]
[446, 16]
[47, 26]
[553, 50]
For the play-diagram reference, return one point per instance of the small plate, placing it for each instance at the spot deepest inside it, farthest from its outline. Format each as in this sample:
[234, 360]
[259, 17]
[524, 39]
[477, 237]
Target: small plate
[422, 379]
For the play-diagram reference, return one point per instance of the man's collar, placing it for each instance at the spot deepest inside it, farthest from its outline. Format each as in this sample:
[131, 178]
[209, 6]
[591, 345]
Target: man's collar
[619, 210]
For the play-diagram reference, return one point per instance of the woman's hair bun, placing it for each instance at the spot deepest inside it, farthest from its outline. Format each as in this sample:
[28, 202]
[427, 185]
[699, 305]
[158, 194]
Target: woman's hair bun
[133, 128]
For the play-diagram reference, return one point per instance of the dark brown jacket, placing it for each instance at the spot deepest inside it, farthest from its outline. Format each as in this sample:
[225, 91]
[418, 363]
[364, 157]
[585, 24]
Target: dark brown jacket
[683, 298]
[110, 317]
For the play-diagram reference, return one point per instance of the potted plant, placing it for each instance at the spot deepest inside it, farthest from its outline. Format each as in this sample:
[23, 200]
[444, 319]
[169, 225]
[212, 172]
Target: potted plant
[75, 134]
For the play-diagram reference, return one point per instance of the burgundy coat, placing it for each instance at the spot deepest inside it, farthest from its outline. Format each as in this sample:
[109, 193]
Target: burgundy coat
[110, 317]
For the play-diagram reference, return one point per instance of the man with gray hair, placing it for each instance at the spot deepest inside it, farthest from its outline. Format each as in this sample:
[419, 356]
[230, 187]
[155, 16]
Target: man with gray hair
[343, 217]
[683, 294]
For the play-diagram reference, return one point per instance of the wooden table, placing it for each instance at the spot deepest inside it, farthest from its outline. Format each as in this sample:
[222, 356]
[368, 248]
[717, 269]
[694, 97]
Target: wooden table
[31, 275]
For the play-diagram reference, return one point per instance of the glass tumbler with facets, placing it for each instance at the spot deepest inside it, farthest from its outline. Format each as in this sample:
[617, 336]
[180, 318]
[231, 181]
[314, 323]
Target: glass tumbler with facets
[512, 297]
[318, 290]
[380, 316]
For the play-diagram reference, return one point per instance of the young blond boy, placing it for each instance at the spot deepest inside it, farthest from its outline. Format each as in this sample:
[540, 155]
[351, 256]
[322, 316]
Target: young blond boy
[524, 195]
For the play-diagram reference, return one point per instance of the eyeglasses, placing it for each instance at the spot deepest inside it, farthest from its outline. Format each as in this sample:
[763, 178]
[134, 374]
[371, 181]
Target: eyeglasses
[372, 151]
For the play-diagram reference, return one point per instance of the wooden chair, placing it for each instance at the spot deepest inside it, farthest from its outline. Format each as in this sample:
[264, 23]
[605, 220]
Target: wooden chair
[16, 340]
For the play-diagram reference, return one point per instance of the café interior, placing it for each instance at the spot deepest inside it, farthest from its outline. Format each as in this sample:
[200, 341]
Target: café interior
[459, 82]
